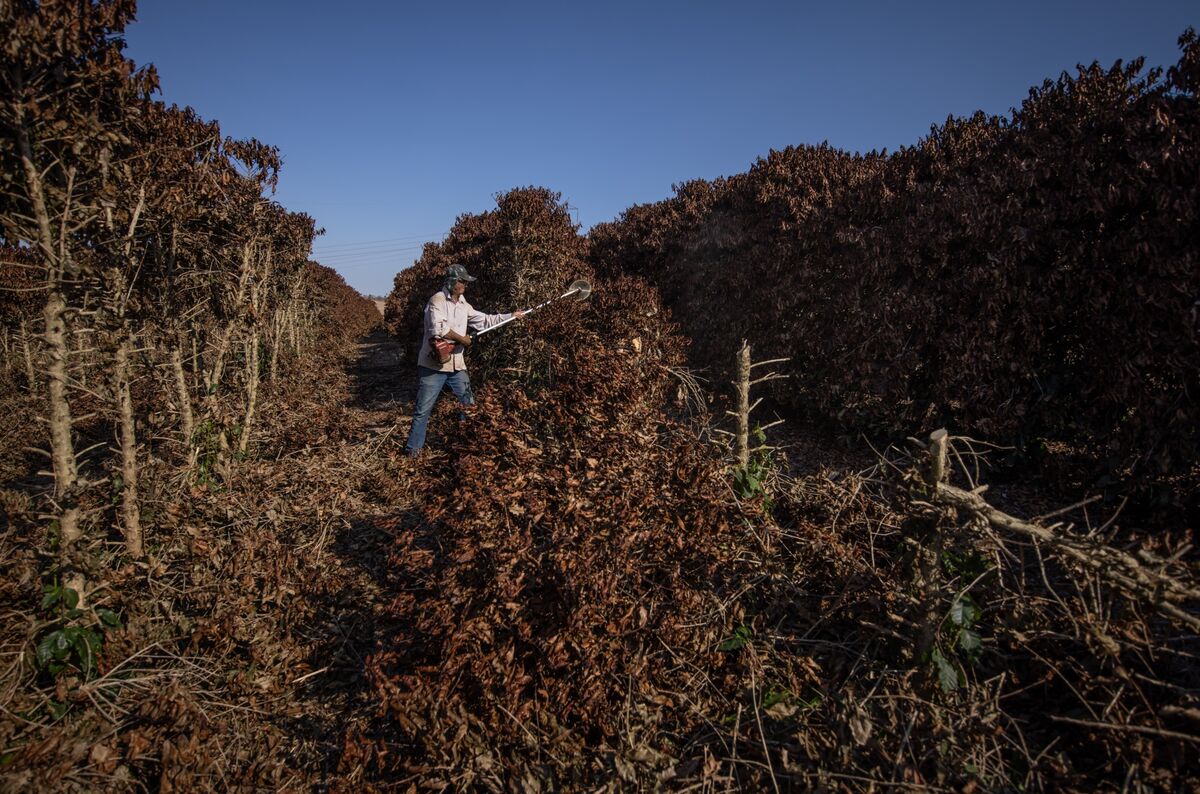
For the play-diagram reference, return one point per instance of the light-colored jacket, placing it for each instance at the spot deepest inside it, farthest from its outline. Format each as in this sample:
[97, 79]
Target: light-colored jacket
[443, 314]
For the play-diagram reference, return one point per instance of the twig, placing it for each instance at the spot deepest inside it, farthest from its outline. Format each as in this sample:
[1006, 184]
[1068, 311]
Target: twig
[761, 735]
[1066, 509]
[1111, 726]
[307, 676]
[1177, 711]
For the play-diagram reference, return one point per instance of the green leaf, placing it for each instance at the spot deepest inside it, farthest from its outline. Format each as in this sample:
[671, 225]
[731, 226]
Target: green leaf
[810, 703]
[45, 648]
[70, 598]
[775, 695]
[108, 618]
[86, 645]
[968, 566]
[969, 641]
[61, 645]
[946, 670]
[52, 594]
[963, 612]
[741, 635]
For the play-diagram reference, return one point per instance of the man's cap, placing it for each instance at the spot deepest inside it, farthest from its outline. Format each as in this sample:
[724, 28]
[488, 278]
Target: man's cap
[458, 273]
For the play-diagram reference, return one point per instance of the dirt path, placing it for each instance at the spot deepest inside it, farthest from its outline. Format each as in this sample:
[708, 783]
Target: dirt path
[383, 381]
[350, 600]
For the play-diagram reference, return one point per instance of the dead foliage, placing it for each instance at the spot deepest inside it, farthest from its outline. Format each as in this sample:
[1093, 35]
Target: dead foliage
[859, 635]
[1029, 279]
[568, 593]
[233, 645]
[574, 598]
[583, 602]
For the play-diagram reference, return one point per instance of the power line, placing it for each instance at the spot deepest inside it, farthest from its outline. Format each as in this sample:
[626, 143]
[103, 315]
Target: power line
[384, 254]
[348, 247]
[376, 252]
[414, 236]
[359, 265]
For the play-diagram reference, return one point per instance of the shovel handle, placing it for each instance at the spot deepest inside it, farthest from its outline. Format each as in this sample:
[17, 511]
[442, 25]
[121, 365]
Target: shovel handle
[527, 311]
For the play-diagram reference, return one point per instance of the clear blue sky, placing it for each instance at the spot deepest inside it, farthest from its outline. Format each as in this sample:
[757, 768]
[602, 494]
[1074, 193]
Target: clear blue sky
[394, 118]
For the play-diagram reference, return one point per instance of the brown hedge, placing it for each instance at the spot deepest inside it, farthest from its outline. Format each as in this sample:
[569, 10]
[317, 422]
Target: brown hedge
[342, 308]
[1021, 277]
[522, 252]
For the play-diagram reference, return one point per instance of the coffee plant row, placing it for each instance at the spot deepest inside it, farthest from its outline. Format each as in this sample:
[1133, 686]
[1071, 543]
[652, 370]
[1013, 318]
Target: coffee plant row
[1028, 278]
[144, 263]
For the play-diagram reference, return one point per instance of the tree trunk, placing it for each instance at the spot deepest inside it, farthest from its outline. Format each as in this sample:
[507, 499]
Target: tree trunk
[251, 389]
[216, 368]
[182, 394]
[81, 367]
[225, 337]
[197, 365]
[743, 410]
[129, 468]
[30, 374]
[292, 331]
[62, 451]
[276, 339]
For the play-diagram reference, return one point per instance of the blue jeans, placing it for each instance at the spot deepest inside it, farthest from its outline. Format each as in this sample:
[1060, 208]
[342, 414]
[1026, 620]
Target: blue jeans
[431, 383]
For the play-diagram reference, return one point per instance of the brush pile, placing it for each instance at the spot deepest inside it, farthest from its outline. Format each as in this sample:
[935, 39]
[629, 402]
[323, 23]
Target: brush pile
[580, 600]
[856, 632]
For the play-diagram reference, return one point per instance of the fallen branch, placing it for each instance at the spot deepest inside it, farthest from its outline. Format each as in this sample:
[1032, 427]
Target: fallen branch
[1164, 592]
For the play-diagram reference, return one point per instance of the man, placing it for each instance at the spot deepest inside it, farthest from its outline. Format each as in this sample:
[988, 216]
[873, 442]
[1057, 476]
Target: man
[447, 316]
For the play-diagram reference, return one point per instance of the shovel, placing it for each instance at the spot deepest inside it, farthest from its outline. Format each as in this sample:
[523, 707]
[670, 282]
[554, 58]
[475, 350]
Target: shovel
[579, 288]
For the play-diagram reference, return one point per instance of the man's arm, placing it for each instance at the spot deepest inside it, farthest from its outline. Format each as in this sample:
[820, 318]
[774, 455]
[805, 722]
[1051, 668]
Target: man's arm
[478, 321]
[462, 339]
[437, 319]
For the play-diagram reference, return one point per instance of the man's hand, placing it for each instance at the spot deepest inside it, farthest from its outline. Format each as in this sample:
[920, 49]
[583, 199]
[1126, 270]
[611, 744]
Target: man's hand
[519, 314]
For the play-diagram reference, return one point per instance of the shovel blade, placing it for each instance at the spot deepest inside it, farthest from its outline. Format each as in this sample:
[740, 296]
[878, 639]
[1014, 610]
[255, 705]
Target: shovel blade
[581, 288]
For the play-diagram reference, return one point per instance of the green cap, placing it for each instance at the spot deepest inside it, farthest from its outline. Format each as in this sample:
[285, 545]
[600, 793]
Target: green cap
[458, 273]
